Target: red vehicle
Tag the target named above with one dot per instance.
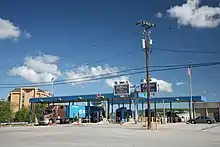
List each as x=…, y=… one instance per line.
x=53, y=114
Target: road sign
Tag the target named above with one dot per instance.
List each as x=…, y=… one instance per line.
x=153, y=87
x=122, y=89
x=99, y=98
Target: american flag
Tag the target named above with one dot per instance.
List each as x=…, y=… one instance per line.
x=188, y=71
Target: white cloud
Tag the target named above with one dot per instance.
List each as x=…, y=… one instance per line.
x=27, y=34
x=78, y=74
x=159, y=15
x=8, y=30
x=41, y=68
x=191, y=14
x=163, y=85
x=111, y=82
x=179, y=83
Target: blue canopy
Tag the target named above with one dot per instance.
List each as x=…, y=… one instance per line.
x=116, y=99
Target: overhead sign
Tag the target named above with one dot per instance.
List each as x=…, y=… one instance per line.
x=99, y=96
x=153, y=87
x=122, y=89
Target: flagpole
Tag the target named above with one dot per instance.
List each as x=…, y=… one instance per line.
x=191, y=95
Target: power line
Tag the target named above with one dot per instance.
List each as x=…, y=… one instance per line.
x=118, y=56
x=184, y=51
x=90, y=80
x=112, y=73
x=126, y=74
x=117, y=72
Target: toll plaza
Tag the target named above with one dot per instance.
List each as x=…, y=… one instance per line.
x=133, y=99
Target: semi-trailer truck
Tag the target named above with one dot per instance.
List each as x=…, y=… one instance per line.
x=68, y=113
x=61, y=114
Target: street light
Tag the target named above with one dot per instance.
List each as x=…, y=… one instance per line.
x=145, y=24
x=52, y=87
x=164, y=111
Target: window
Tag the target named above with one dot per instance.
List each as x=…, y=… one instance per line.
x=199, y=117
x=46, y=112
x=203, y=117
x=22, y=100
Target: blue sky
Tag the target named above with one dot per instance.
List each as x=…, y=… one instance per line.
x=45, y=39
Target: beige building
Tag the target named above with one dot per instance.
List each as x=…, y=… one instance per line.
x=19, y=97
x=211, y=109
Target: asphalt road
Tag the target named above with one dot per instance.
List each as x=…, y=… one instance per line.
x=180, y=135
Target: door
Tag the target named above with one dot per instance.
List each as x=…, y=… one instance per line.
x=198, y=119
x=61, y=112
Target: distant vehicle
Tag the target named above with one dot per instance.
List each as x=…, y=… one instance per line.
x=202, y=119
x=69, y=113
x=61, y=114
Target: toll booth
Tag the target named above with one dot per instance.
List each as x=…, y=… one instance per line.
x=122, y=114
x=129, y=112
x=172, y=117
x=96, y=113
x=152, y=113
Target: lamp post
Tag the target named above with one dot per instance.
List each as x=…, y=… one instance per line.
x=52, y=86
x=147, y=26
x=164, y=111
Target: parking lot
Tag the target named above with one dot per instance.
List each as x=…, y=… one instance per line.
x=110, y=135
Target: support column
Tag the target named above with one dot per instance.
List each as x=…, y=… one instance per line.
x=171, y=112
x=108, y=109
x=133, y=109
x=193, y=109
x=190, y=114
x=136, y=105
x=118, y=105
x=155, y=108
x=129, y=103
x=219, y=112
x=142, y=105
x=31, y=113
x=112, y=109
x=137, y=110
x=88, y=104
x=123, y=105
x=206, y=111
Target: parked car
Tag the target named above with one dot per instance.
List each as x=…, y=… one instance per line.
x=202, y=119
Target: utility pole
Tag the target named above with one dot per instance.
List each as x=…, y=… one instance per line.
x=147, y=26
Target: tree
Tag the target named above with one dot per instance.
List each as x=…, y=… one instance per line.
x=23, y=115
x=39, y=108
x=6, y=112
